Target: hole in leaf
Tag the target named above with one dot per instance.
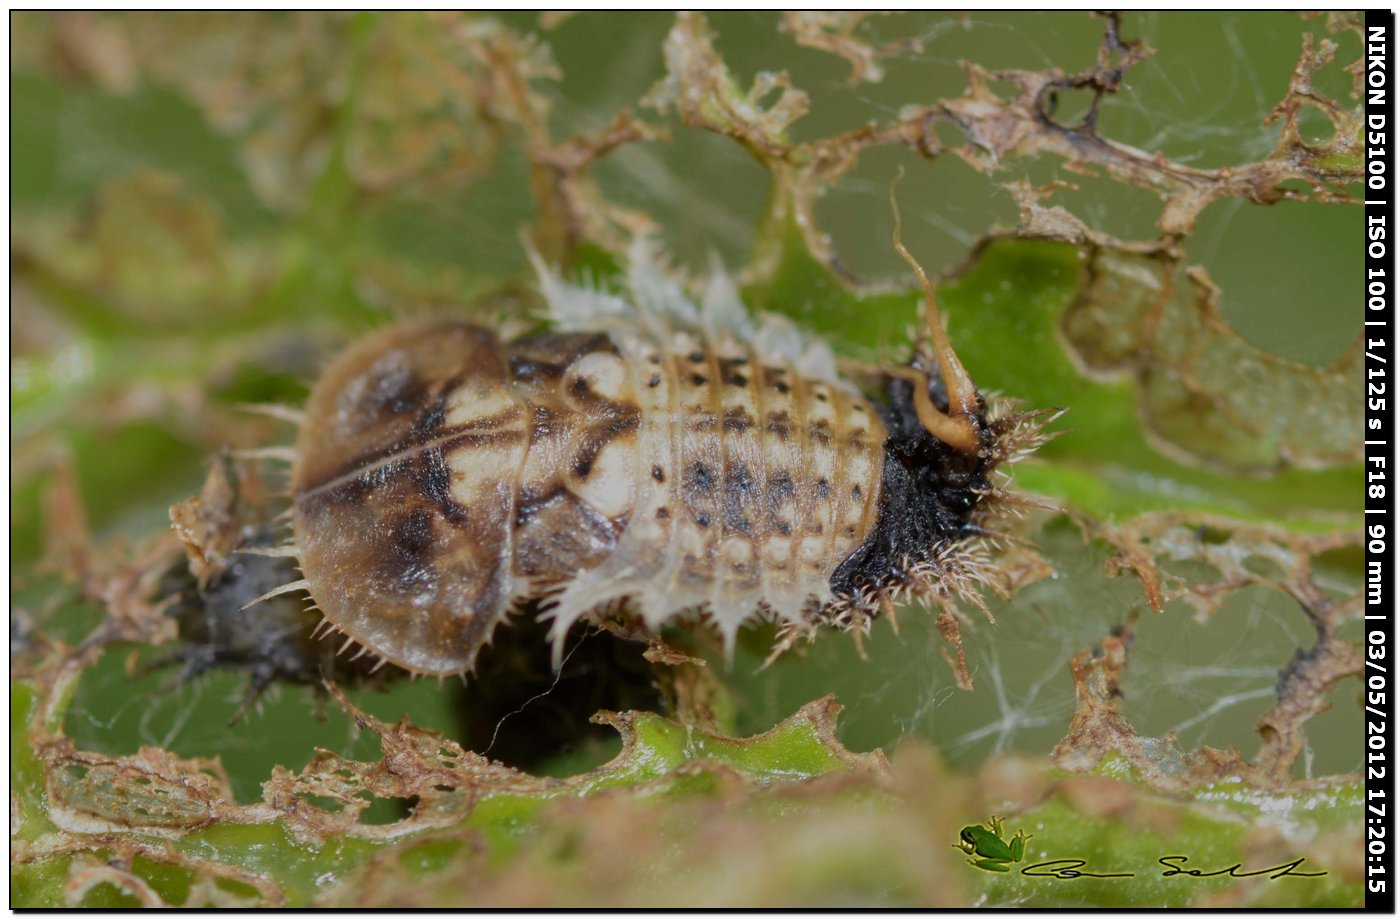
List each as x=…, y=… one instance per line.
x=1314, y=127
x=1213, y=536
x=172, y=882
x=323, y=803
x=1068, y=108
x=517, y=710
x=109, y=896
x=386, y=810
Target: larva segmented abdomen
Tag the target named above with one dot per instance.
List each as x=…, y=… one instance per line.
x=751, y=482
x=443, y=475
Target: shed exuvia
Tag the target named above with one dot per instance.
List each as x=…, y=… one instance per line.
x=671, y=454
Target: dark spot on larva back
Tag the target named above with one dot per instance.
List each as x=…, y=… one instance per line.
x=738, y=478
x=655, y=381
x=738, y=486
x=663, y=513
x=427, y=424
x=533, y=499
x=702, y=520
x=409, y=557
x=658, y=473
x=700, y=478
x=436, y=482
x=587, y=454
x=526, y=369
x=855, y=492
x=822, y=396
x=823, y=489
x=779, y=425
x=624, y=420
x=783, y=528
x=781, y=387
x=780, y=492
x=599, y=437
x=737, y=419
x=697, y=357
x=544, y=418
x=737, y=379
x=820, y=432
x=698, y=380
x=602, y=531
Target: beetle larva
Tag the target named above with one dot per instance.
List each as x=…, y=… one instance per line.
x=673, y=454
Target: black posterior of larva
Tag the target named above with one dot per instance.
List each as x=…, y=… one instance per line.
x=929, y=495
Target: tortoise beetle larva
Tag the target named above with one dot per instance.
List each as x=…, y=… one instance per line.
x=674, y=455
